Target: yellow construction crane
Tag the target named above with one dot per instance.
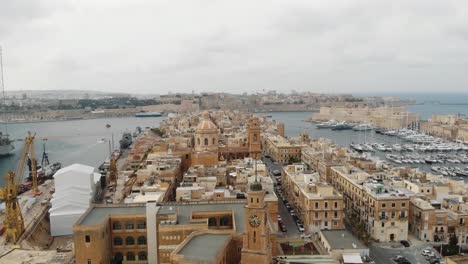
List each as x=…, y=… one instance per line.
x=13, y=222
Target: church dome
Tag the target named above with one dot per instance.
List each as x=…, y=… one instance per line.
x=206, y=124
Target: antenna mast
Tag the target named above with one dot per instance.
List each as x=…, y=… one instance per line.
x=3, y=92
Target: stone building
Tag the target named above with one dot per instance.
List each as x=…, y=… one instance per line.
x=319, y=206
x=382, y=209
x=206, y=142
x=281, y=150
x=428, y=221
x=231, y=232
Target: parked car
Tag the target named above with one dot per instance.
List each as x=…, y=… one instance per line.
x=267, y=156
x=434, y=260
x=426, y=252
x=277, y=173
x=305, y=235
x=288, y=206
x=300, y=227
x=405, y=243
x=279, y=218
x=401, y=260
x=282, y=227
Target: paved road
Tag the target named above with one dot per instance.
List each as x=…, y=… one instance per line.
x=384, y=254
x=291, y=226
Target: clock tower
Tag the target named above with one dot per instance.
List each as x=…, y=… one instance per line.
x=256, y=239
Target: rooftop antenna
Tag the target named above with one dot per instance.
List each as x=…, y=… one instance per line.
x=3, y=92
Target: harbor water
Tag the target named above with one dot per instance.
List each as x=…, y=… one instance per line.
x=87, y=141
x=77, y=141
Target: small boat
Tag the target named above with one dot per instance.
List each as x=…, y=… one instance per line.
x=108, y=125
x=362, y=127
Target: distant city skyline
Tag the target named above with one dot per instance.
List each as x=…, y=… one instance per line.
x=157, y=47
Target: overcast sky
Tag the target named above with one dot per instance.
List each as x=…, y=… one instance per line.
x=235, y=46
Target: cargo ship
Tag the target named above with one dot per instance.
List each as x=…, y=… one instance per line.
x=6, y=145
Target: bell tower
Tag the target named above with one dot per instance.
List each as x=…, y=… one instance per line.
x=256, y=240
x=255, y=146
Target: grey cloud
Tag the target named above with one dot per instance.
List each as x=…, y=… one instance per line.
x=339, y=46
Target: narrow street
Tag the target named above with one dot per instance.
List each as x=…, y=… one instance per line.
x=291, y=227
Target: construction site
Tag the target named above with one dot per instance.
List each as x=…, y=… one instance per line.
x=38, y=211
x=24, y=221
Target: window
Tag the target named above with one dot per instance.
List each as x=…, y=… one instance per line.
x=254, y=236
x=316, y=215
x=116, y=226
x=89, y=261
x=393, y=214
x=336, y=204
x=335, y=223
x=142, y=256
x=118, y=256
x=212, y=221
x=326, y=205
x=206, y=141
x=336, y=214
x=141, y=225
x=393, y=223
x=393, y=204
x=383, y=224
x=214, y=141
x=326, y=214
x=129, y=240
x=403, y=204
x=130, y=256
x=224, y=221
x=384, y=205
x=316, y=205
x=129, y=226
x=198, y=141
x=141, y=240
x=326, y=223
x=87, y=239
x=117, y=241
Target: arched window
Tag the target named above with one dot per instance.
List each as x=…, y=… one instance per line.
x=224, y=221
x=130, y=256
x=206, y=141
x=117, y=241
x=142, y=256
x=198, y=141
x=212, y=221
x=130, y=240
x=118, y=257
x=141, y=240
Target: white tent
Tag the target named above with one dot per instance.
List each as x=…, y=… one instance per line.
x=74, y=190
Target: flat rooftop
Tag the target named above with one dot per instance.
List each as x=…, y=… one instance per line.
x=342, y=239
x=97, y=214
x=184, y=211
x=205, y=247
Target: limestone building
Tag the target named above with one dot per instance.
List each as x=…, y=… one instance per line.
x=206, y=142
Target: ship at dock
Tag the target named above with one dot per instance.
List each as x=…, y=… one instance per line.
x=6, y=145
x=149, y=114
